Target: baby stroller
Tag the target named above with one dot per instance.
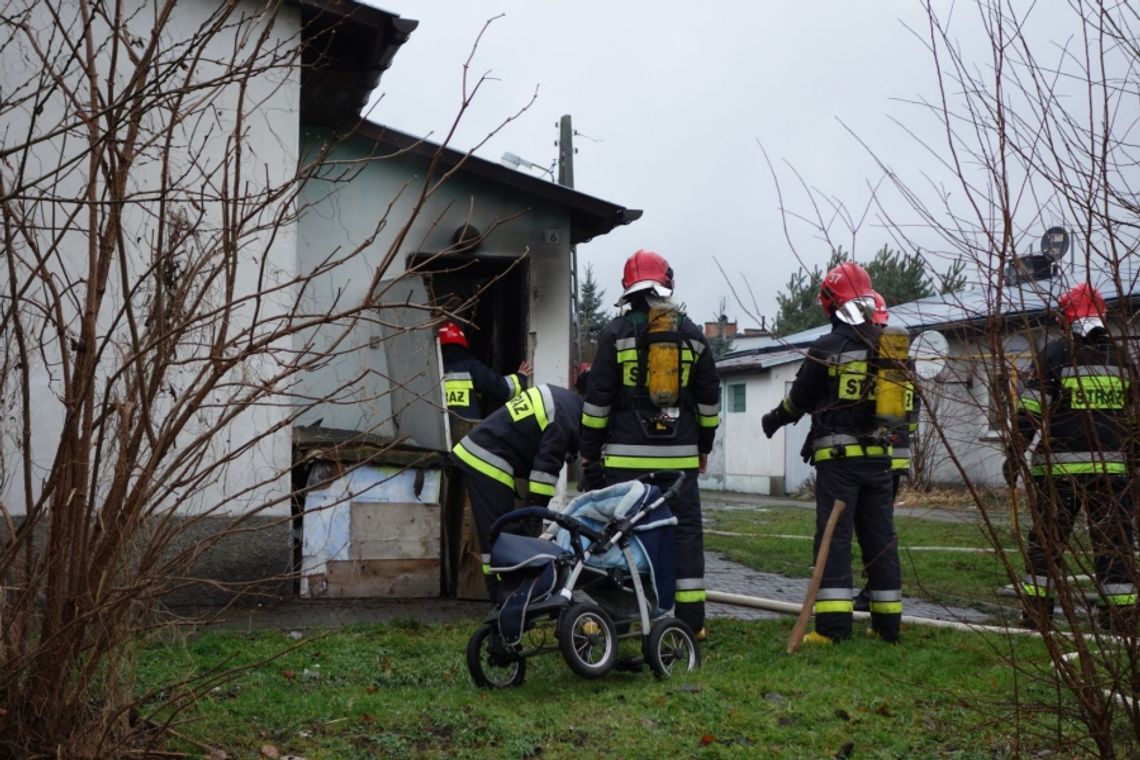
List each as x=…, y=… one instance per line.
x=606, y=574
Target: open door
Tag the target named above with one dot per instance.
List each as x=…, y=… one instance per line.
x=412, y=353
x=489, y=295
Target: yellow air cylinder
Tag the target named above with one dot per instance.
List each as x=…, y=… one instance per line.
x=891, y=377
x=663, y=365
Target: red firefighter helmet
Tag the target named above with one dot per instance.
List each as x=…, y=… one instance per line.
x=646, y=270
x=1082, y=308
x=847, y=285
x=1081, y=301
x=880, y=316
x=451, y=334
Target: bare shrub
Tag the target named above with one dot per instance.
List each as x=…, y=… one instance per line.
x=158, y=336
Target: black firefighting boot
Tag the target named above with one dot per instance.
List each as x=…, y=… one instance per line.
x=691, y=614
x=1118, y=620
x=887, y=626
x=1037, y=614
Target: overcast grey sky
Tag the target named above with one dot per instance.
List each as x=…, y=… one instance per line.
x=672, y=101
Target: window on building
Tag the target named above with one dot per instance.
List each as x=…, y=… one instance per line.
x=736, y=397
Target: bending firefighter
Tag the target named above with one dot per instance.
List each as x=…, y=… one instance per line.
x=848, y=443
x=1077, y=399
x=653, y=403
x=532, y=436
x=471, y=388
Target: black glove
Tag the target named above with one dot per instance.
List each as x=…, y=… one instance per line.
x=772, y=421
x=775, y=419
x=593, y=476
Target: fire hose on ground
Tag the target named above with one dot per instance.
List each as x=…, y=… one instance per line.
x=791, y=608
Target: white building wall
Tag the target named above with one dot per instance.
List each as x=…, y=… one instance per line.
x=751, y=462
x=349, y=214
x=200, y=141
x=965, y=438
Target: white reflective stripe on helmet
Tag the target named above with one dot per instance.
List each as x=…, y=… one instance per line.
x=856, y=311
x=657, y=288
x=1085, y=325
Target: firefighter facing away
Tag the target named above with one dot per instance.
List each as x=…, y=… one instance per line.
x=531, y=436
x=900, y=437
x=653, y=404
x=473, y=389
x=851, y=453
x=902, y=433
x=1077, y=399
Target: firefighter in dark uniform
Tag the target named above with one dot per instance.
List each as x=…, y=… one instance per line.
x=900, y=440
x=653, y=404
x=471, y=388
x=532, y=436
x=851, y=454
x=1078, y=397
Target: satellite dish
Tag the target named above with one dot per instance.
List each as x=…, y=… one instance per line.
x=929, y=352
x=1055, y=242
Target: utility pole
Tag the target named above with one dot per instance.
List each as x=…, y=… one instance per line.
x=565, y=152
x=566, y=178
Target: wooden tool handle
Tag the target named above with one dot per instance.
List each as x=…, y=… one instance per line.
x=796, y=637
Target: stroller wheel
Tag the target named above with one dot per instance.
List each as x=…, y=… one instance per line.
x=491, y=664
x=671, y=648
x=587, y=639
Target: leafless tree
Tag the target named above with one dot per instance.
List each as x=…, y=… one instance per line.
x=1043, y=132
x=156, y=331
x=1038, y=129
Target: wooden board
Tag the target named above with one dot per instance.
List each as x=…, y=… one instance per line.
x=389, y=578
x=470, y=584
x=391, y=530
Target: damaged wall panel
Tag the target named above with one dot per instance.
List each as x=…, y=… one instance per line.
x=375, y=531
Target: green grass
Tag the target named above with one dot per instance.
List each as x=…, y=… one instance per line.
x=954, y=578
x=402, y=690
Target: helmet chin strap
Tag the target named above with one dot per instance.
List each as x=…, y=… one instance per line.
x=1085, y=325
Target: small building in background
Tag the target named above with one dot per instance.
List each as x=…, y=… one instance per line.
x=970, y=347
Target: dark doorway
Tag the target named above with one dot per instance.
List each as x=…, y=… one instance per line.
x=489, y=295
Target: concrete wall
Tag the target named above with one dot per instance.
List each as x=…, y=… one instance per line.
x=743, y=459
x=363, y=204
x=199, y=142
x=961, y=400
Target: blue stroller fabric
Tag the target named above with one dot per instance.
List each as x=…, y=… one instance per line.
x=532, y=563
x=651, y=541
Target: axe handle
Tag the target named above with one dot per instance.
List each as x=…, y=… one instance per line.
x=796, y=637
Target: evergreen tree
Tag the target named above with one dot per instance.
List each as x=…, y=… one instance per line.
x=899, y=278
x=799, y=303
x=591, y=315
x=720, y=343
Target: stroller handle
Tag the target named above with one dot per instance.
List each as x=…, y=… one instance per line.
x=663, y=476
x=565, y=521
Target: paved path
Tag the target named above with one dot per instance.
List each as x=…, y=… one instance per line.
x=729, y=577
